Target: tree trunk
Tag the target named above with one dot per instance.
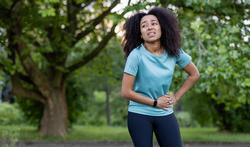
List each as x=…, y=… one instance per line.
x=55, y=115
x=108, y=111
x=108, y=114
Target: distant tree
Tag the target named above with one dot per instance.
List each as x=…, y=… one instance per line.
x=104, y=74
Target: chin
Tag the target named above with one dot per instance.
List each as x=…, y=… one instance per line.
x=152, y=40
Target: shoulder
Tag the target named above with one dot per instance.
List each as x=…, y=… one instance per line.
x=133, y=62
x=135, y=53
x=183, y=58
x=181, y=54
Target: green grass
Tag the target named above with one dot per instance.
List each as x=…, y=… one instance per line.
x=104, y=133
x=212, y=135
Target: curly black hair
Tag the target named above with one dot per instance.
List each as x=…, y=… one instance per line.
x=132, y=37
x=170, y=38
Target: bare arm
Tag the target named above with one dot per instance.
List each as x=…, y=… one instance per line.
x=193, y=76
x=128, y=92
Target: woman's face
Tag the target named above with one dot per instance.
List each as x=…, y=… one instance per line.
x=150, y=28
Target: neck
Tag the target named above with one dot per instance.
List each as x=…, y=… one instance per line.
x=154, y=47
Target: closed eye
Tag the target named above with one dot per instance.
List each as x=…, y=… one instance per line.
x=154, y=23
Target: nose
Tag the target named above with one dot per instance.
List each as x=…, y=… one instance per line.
x=150, y=27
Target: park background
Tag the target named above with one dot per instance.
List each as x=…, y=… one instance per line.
x=61, y=64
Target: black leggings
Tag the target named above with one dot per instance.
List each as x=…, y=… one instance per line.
x=166, y=129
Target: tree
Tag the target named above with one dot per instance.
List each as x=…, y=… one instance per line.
x=39, y=40
x=216, y=34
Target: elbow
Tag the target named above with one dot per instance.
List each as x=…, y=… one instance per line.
x=124, y=94
x=196, y=76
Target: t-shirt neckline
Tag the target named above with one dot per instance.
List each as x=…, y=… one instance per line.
x=151, y=54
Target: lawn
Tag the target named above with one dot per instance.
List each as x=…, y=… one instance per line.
x=105, y=133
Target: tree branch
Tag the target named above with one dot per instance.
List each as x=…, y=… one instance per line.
x=14, y=4
x=19, y=90
x=24, y=78
x=36, y=75
x=94, y=53
x=72, y=10
x=6, y=12
x=96, y=21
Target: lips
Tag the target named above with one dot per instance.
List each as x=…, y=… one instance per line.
x=151, y=34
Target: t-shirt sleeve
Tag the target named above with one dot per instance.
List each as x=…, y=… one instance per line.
x=183, y=59
x=132, y=63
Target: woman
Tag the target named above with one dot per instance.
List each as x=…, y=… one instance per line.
x=152, y=47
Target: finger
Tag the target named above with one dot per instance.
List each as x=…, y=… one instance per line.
x=171, y=98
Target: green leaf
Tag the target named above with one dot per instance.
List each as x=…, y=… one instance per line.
x=246, y=83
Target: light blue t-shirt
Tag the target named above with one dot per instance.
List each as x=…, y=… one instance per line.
x=153, y=77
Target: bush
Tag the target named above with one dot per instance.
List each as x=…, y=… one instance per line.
x=10, y=114
x=200, y=108
x=234, y=119
x=32, y=110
